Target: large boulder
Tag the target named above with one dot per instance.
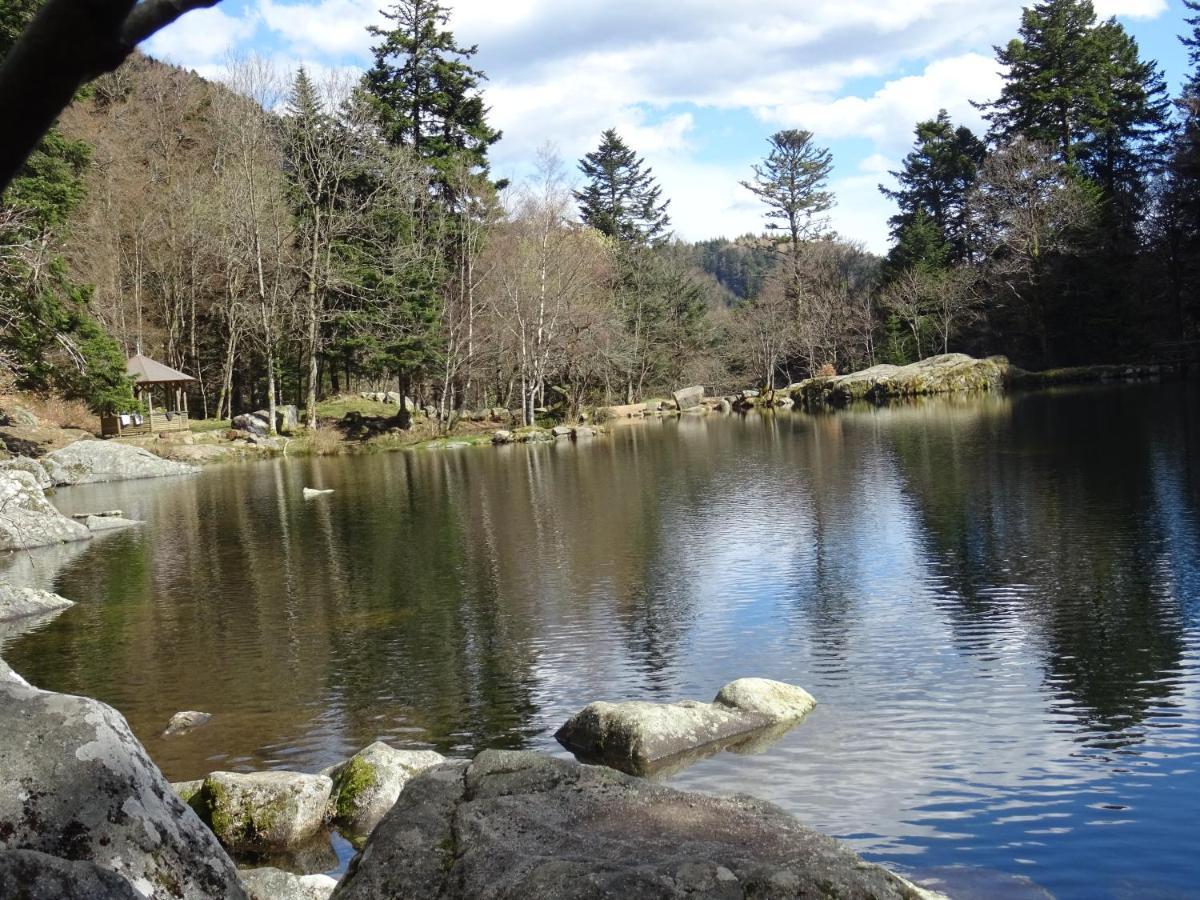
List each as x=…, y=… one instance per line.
x=952, y=373
x=75, y=784
x=29, y=875
x=18, y=602
x=252, y=423
x=520, y=824
x=275, y=884
x=263, y=812
x=366, y=785
x=640, y=737
x=27, y=518
x=287, y=419
x=689, y=397
x=88, y=462
x=30, y=465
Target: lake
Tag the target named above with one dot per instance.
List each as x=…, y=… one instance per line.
x=995, y=601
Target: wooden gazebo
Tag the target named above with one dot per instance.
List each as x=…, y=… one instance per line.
x=147, y=375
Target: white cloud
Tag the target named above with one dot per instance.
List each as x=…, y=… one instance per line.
x=1131, y=9
x=201, y=37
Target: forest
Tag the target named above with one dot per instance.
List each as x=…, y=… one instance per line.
x=285, y=237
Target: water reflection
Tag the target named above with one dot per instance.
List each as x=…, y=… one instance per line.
x=995, y=602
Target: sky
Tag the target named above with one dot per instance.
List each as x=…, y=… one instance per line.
x=695, y=86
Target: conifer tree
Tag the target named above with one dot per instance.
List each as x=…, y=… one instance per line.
x=426, y=91
x=933, y=185
x=621, y=197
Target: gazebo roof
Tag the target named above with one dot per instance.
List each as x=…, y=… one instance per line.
x=148, y=371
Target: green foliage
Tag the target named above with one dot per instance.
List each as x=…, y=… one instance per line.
x=621, y=199
x=426, y=92
x=934, y=182
x=741, y=267
x=792, y=181
x=920, y=243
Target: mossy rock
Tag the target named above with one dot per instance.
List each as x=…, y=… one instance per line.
x=263, y=812
x=366, y=786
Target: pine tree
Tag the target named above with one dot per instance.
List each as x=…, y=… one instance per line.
x=427, y=93
x=920, y=244
x=1180, y=206
x=621, y=198
x=934, y=182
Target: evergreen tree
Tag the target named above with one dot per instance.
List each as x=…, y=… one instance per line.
x=920, y=244
x=49, y=337
x=934, y=182
x=792, y=181
x=621, y=198
x=427, y=93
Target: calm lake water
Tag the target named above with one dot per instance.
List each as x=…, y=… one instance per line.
x=996, y=602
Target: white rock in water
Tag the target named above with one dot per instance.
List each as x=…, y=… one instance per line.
x=276, y=884
x=29, y=519
x=185, y=721
x=309, y=493
x=90, y=462
x=109, y=523
x=366, y=785
x=637, y=736
x=18, y=602
x=263, y=812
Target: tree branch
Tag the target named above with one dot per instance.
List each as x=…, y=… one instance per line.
x=68, y=43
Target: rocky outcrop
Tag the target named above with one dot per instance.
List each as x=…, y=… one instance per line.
x=639, y=737
x=263, y=812
x=275, y=884
x=953, y=373
x=29, y=875
x=366, y=785
x=503, y=436
x=251, y=423
x=519, y=824
x=18, y=602
x=76, y=785
x=89, y=462
x=32, y=466
x=27, y=518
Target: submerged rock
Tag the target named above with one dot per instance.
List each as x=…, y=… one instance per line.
x=89, y=462
x=276, y=884
x=310, y=493
x=520, y=824
x=263, y=812
x=29, y=519
x=639, y=737
x=75, y=784
x=952, y=373
x=366, y=785
x=109, y=523
x=185, y=721
x=18, y=602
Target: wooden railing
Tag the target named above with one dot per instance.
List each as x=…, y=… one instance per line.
x=156, y=422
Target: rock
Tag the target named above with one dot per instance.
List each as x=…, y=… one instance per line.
x=287, y=419
x=747, y=395
x=276, y=884
x=263, y=812
x=310, y=493
x=89, y=462
x=583, y=432
x=639, y=737
x=183, y=722
x=521, y=824
x=561, y=431
x=392, y=397
x=18, y=602
x=32, y=466
x=251, y=423
x=783, y=401
x=18, y=416
x=186, y=790
x=953, y=373
x=724, y=406
x=109, y=523
x=502, y=437
x=106, y=514
x=29, y=519
x=499, y=414
x=366, y=785
x=686, y=398
x=430, y=412
x=532, y=435
x=76, y=784
x=29, y=875
x=629, y=411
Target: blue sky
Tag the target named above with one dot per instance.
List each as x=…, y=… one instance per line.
x=696, y=86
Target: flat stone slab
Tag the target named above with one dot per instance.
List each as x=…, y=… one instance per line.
x=18, y=602
x=638, y=737
x=90, y=462
x=520, y=824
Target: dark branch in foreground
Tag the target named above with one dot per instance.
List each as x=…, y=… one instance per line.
x=69, y=43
